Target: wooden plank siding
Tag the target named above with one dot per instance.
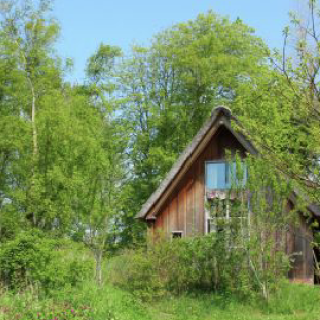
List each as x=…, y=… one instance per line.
x=184, y=210
x=299, y=247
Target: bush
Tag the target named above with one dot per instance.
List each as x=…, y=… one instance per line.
x=182, y=265
x=137, y=272
x=41, y=263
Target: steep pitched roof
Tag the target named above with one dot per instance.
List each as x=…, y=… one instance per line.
x=221, y=116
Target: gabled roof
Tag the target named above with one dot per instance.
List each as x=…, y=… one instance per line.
x=221, y=116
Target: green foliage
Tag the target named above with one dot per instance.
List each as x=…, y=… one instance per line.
x=169, y=90
x=264, y=202
x=60, y=149
x=292, y=302
x=81, y=160
x=136, y=271
x=32, y=260
x=280, y=109
x=60, y=312
x=184, y=265
x=100, y=66
x=246, y=255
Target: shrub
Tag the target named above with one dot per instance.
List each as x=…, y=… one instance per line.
x=33, y=260
x=137, y=272
x=182, y=265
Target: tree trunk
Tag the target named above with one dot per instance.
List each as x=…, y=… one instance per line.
x=34, y=147
x=98, y=258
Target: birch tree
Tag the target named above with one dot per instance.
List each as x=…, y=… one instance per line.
x=28, y=36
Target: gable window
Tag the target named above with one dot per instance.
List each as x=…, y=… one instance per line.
x=221, y=206
x=220, y=175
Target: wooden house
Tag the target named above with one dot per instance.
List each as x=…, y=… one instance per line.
x=177, y=207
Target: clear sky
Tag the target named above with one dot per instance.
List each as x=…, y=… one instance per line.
x=87, y=23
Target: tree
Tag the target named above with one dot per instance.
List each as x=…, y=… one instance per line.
x=171, y=87
x=52, y=165
x=31, y=74
x=98, y=195
x=280, y=109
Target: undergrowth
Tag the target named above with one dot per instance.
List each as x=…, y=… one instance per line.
x=292, y=301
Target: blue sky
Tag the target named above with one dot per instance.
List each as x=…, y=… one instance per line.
x=87, y=23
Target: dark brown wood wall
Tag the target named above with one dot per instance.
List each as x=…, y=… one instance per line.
x=299, y=247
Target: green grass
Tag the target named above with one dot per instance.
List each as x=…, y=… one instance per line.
x=291, y=302
x=213, y=307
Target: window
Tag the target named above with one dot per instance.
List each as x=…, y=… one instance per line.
x=225, y=213
x=220, y=175
x=223, y=210
x=219, y=213
x=222, y=207
x=176, y=234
